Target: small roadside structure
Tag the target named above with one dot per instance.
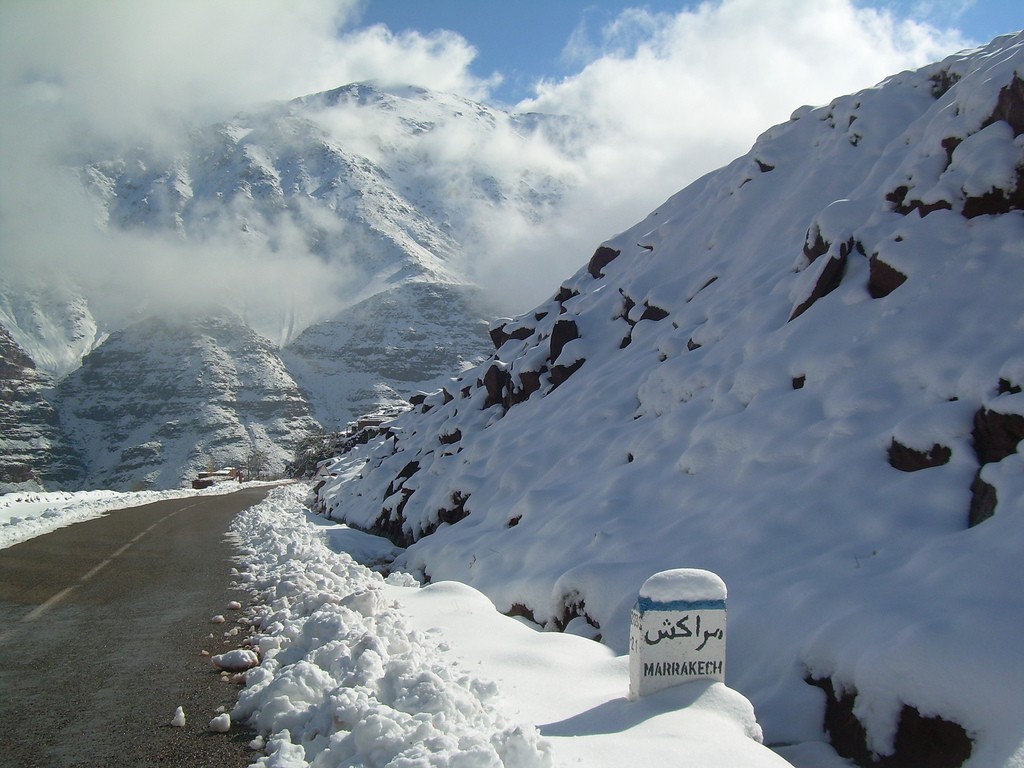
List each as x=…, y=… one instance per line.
x=677, y=631
x=206, y=479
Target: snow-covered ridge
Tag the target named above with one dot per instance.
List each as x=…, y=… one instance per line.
x=801, y=373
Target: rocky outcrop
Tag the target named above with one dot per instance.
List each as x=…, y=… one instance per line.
x=994, y=437
x=33, y=450
x=602, y=257
x=920, y=742
x=883, y=279
x=908, y=459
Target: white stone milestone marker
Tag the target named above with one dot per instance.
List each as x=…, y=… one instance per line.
x=677, y=631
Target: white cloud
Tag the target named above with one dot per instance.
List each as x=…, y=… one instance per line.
x=673, y=96
x=667, y=97
x=123, y=66
x=82, y=81
x=676, y=95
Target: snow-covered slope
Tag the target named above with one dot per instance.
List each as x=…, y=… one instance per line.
x=50, y=321
x=160, y=401
x=802, y=372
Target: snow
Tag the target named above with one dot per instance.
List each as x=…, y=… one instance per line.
x=236, y=660
x=362, y=670
x=221, y=723
x=739, y=437
x=690, y=584
x=27, y=514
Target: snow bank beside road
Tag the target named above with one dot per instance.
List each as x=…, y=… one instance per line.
x=361, y=670
x=25, y=515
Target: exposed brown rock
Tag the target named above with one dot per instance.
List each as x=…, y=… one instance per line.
x=1010, y=106
x=710, y=280
x=921, y=742
x=499, y=335
x=996, y=435
x=1007, y=387
x=883, y=279
x=390, y=525
x=815, y=245
x=996, y=201
x=829, y=279
x=450, y=438
x=562, y=333
x=602, y=257
x=457, y=511
x=942, y=82
x=530, y=383
x=560, y=373
x=564, y=294
x=523, y=611
x=627, y=306
x=496, y=382
x=652, y=312
x=908, y=459
x=950, y=143
x=983, y=501
x=898, y=199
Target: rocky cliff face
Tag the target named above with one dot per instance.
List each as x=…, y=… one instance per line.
x=159, y=401
x=380, y=351
x=34, y=452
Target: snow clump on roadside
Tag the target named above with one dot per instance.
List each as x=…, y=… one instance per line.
x=344, y=679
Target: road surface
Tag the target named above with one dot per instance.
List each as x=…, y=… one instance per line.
x=102, y=625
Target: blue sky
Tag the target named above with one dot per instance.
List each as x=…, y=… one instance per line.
x=524, y=40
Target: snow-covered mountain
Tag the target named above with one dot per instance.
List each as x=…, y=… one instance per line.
x=380, y=192
x=51, y=322
x=802, y=372
x=382, y=349
x=160, y=401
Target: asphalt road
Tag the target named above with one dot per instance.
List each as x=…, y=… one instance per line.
x=102, y=625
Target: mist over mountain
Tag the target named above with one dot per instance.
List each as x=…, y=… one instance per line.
x=802, y=372
x=330, y=197
x=341, y=228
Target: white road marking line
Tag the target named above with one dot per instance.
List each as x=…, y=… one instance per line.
x=42, y=608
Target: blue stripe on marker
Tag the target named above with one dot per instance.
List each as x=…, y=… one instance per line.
x=645, y=604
